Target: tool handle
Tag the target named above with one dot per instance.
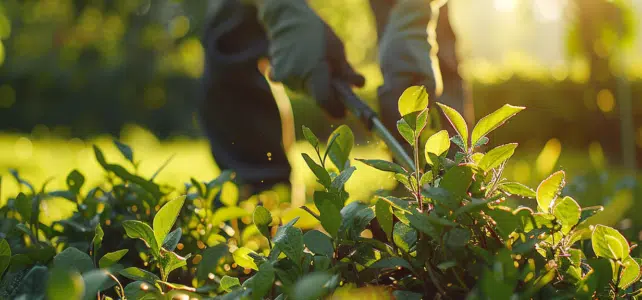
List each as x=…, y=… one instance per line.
x=370, y=119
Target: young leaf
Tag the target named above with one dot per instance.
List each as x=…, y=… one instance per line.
x=608, y=242
x=165, y=218
x=242, y=258
x=262, y=216
x=169, y=262
x=211, y=258
x=383, y=165
x=111, y=258
x=549, y=189
x=495, y=157
x=98, y=237
x=406, y=131
x=289, y=239
x=139, y=230
x=630, y=274
x=437, y=144
x=318, y=243
x=310, y=137
x=494, y=120
x=5, y=255
x=172, y=239
x=73, y=258
x=321, y=174
x=64, y=284
x=482, y=141
x=134, y=273
x=458, y=122
x=23, y=205
x=516, y=188
x=383, y=212
x=567, y=211
x=339, y=151
x=590, y=211
x=229, y=283
x=413, y=99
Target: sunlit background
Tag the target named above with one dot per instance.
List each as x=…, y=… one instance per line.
x=77, y=73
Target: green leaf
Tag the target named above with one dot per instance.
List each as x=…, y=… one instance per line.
x=329, y=206
x=458, y=122
x=111, y=258
x=242, y=258
x=211, y=258
x=98, y=237
x=608, y=242
x=630, y=274
x=457, y=238
x=5, y=255
x=457, y=180
x=96, y=281
x=261, y=283
x=406, y=131
x=383, y=213
x=170, y=261
x=428, y=224
x=121, y=172
x=165, y=218
x=481, y=142
x=567, y=211
x=73, y=258
x=172, y=239
x=404, y=236
x=398, y=203
x=495, y=157
x=75, y=180
x=64, y=284
x=318, y=243
x=310, y=137
x=425, y=179
x=312, y=286
x=289, y=239
x=383, y=165
x=516, y=188
x=494, y=120
x=262, y=219
x=339, y=151
x=437, y=144
x=590, y=211
x=391, y=262
x=139, y=230
x=413, y=99
x=229, y=283
x=549, y=189
x=23, y=205
x=406, y=295
x=140, y=290
x=125, y=150
x=321, y=173
x=474, y=206
x=134, y=273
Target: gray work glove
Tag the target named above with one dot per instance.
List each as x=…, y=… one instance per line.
x=305, y=54
x=407, y=49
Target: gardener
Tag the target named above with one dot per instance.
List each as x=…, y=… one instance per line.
x=239, y=113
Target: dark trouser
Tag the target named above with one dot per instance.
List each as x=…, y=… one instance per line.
x=239, y=113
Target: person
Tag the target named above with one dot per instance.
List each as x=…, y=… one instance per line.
x=239, y=113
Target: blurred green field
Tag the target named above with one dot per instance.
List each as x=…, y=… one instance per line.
x=51, y=159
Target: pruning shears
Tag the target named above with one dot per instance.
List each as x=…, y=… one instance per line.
x=371, y=120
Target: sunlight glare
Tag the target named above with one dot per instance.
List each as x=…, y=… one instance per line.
x=504, y=5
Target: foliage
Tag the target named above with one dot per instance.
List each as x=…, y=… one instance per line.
x=450, y=234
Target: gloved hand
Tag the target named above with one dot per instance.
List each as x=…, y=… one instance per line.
x=407, y=50
x=305, y=54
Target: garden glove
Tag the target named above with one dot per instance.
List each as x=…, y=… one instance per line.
x=305, y=54
x=407, y=54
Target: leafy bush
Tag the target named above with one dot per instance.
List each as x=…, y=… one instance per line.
x=453, y=233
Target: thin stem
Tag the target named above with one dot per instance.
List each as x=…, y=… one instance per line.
x=122, y=290
x=418, y=174
x=311, y=212
x=617, y=282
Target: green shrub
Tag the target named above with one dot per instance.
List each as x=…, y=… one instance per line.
x=453, y=234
